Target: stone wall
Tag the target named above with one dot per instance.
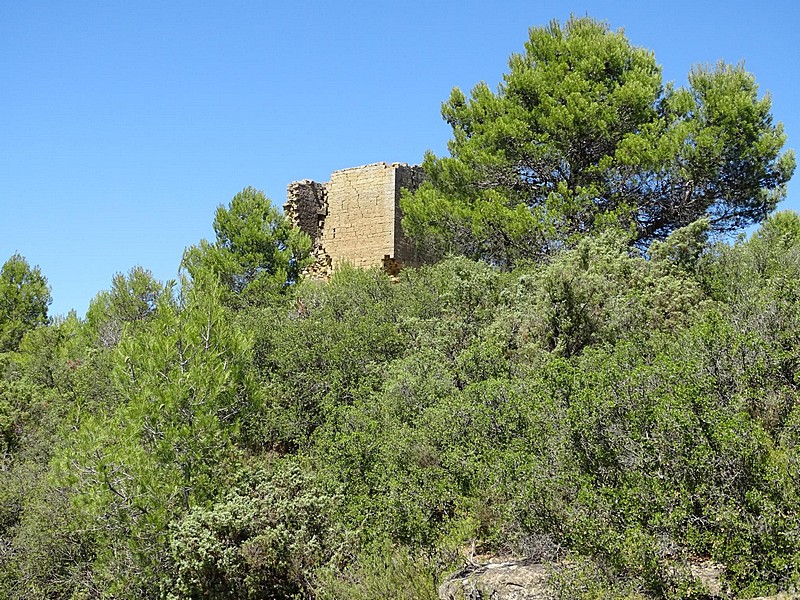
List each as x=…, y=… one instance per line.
x=355, y=217
x=360, y=223
x=409, y=178
x=307, y=205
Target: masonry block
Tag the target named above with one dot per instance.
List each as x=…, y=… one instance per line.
x=355, y=217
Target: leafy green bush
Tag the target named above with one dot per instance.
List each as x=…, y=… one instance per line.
x=383, y=571
x=263, y=539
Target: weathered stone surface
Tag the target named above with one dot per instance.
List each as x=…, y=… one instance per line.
x=529, y=580
x=513, y=580
x=355, y=218
x=307, y=205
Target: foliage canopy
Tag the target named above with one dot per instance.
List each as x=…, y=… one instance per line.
x=256, y=252
x=583, y=134
x=24, y=298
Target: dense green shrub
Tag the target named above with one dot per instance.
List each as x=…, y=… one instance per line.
x=263, y=539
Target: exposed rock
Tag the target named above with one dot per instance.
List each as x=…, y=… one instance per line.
x=512, y=580
x=530, y=580
x=709, y=574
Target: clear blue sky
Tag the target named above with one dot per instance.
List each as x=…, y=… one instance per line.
x=124, y=124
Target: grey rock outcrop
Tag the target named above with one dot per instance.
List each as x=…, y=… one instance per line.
x=512, y=580
x=530, y=580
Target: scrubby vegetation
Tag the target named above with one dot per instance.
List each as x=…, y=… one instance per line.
x=343, y=439
x=244, y=434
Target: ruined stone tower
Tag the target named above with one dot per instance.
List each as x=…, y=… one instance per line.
x=355, y=217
